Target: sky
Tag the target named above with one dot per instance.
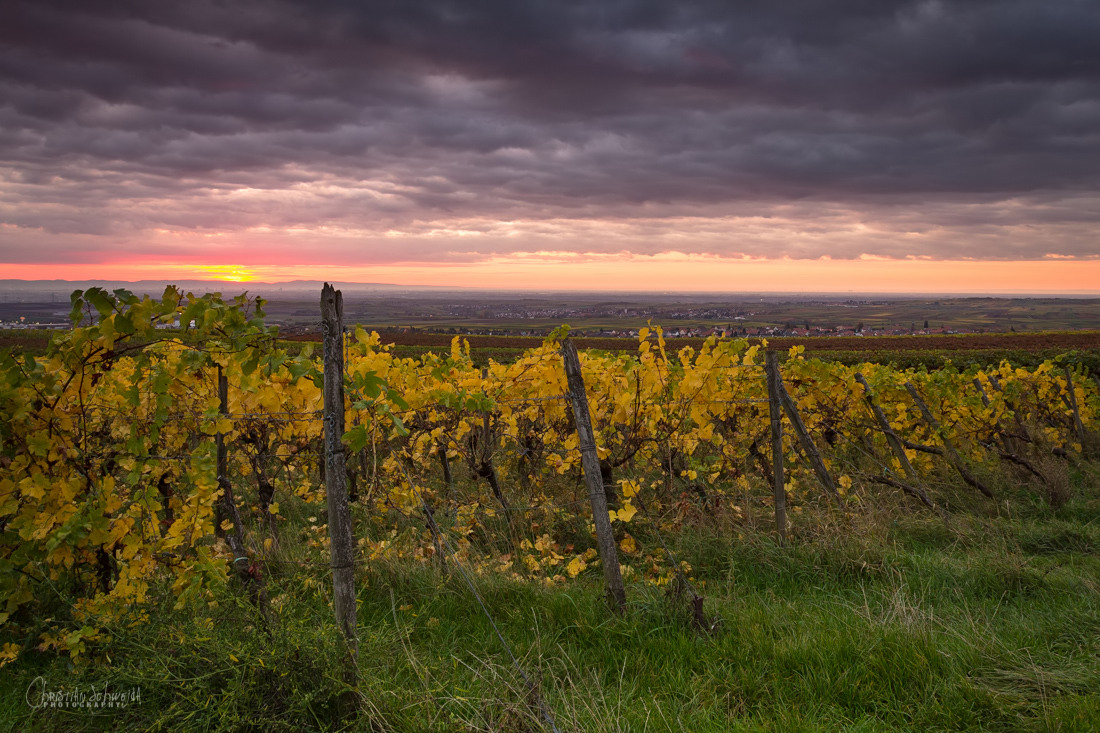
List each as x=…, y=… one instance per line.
x=805, y=145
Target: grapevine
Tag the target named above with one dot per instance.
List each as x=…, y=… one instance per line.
x=110, y=484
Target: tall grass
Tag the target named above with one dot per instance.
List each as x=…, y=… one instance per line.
x=881, y=620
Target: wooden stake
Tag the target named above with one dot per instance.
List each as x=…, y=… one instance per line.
x=342, y=549
x=441, y=448
x=590, y=463
x=808, y=447
x=1024, y=434
x=884, y=426
x=484, y=459
x=243, y=565
x=775, y=414
x=952, y=455
x=227, y=504
x=1071, y=400
x=1006, y=439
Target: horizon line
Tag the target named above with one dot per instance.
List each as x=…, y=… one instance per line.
x=223, y=284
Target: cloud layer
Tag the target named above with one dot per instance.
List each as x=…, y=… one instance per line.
x=351, y=130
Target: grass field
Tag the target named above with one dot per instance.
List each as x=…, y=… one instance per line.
x=882, y=620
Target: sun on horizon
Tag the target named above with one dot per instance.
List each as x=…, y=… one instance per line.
x=228, y=273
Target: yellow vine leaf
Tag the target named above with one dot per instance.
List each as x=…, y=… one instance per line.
x=575, y=566
x=8, y=653
x=623, y=515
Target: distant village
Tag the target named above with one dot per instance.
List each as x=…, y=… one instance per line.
x=736, y=322
x=23, y=324
x=729, y=331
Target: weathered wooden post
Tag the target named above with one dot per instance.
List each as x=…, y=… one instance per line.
x=227, y=504
x=341, y=547
x=484, y=458
x=775, y=413
x=950, y=452
x=1006, y=439
x=884, y=427
x=1024, y=435
x=807, y=443
x=243, y=565
x=1071, y=401
x=590, y=463
x=444, y=462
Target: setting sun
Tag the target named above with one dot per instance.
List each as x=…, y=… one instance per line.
x=229, y=273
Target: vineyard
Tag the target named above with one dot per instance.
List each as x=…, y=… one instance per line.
x=139, y=467
x=932, y=352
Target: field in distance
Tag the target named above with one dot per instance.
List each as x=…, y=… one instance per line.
x=1061, y=341
x=930, y=351
x=295, y=308
x=491, y=313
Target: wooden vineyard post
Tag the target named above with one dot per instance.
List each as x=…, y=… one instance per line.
x=227, y=504
x=884, y=427
x=775, y=413
x=805, y=441
x=1071, y=400
x=445, y=463
x=949, y=449
x=590, y=463
x=1011, y=451
x=243, y=565
x=899, y=452
x=339, y=513
x=1006, y=440
x=484, y=458
x=1024, y=434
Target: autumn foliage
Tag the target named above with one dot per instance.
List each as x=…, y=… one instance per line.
x=110, y=490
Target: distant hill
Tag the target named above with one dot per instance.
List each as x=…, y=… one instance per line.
x=52, y=289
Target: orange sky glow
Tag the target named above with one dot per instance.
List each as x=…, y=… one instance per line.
x=670, y=271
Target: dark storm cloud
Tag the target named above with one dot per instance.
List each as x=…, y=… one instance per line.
x=973, y=127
